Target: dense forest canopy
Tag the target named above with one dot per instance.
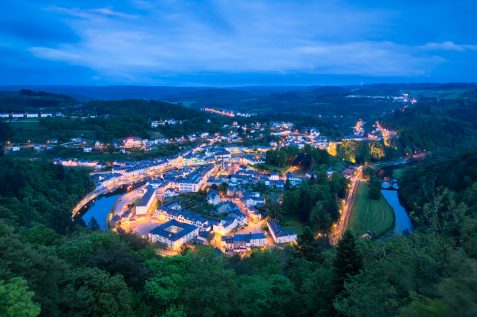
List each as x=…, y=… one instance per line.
x=432, y=125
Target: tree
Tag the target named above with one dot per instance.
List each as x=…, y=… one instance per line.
x=265, y=295
x=272, y=209
x=304, y=243
x=16, y=299
x=93, y=224
x=322, y=218
x=93, y=292
x=457, y=295
x=223, y=188
x=317, y=292
x=347, y=262
x=374, y=188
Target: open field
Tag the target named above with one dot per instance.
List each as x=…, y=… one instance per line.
x=370, y=215
x=291, y=223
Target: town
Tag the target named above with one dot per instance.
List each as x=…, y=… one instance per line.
x=214, y=190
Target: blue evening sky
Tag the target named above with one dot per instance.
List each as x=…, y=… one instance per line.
x=226, y=43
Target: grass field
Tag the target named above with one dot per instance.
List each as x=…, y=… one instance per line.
x=370, y=215
x=292, y=223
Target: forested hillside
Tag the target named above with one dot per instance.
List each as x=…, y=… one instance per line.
x=435, y=124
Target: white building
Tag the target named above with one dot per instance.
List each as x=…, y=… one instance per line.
x=196, y=180
x=225, y=226
x=133, y=142
x=148, y=199
x=243, y=242
x=174, y=233
x=278, y=235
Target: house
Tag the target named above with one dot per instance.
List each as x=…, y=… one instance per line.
x=174, y=212
x=222, y=154
x=348, y=173
x=243, y=242
x=253, y=159
x=277, y=184
x=174, y=233
x=225, y=225
x=87, y=149
x=253, y=200
x=254, y=214
x=170, y=192
x=133, y=142
x=280, y=236
x=257, y=240
x=274, y=177
x=213, y=197
x=196, y=180
x=227, y=207
x=147, y=200
x=15, y=148
x=203, y=237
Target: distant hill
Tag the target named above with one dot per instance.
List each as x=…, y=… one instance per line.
x=29, y=100
x=327, y=102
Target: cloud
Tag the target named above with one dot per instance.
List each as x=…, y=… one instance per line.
x=448, y=46
x=243, y=38
x=139, y=41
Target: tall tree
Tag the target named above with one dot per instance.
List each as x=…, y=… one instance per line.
x=348, y=261
x=16, y=299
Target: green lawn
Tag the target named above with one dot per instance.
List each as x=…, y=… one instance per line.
x=370, y=215
x=292, y=223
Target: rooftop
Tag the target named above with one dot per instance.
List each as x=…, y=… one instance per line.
x=173, y=230
x=150, y=191
x=277, y=230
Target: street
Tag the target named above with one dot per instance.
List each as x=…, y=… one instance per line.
x=343, y=222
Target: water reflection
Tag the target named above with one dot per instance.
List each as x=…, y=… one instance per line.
x=100, y=210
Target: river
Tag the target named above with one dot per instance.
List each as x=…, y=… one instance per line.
x=100, y=210
x=402, y=222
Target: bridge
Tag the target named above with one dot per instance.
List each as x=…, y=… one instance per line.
x=115, y=183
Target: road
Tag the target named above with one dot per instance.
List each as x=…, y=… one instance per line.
x=343, y=222
x=113, y=184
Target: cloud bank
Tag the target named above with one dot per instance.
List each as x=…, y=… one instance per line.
x=139, y=41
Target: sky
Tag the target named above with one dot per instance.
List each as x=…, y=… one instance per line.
x=236, y=43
